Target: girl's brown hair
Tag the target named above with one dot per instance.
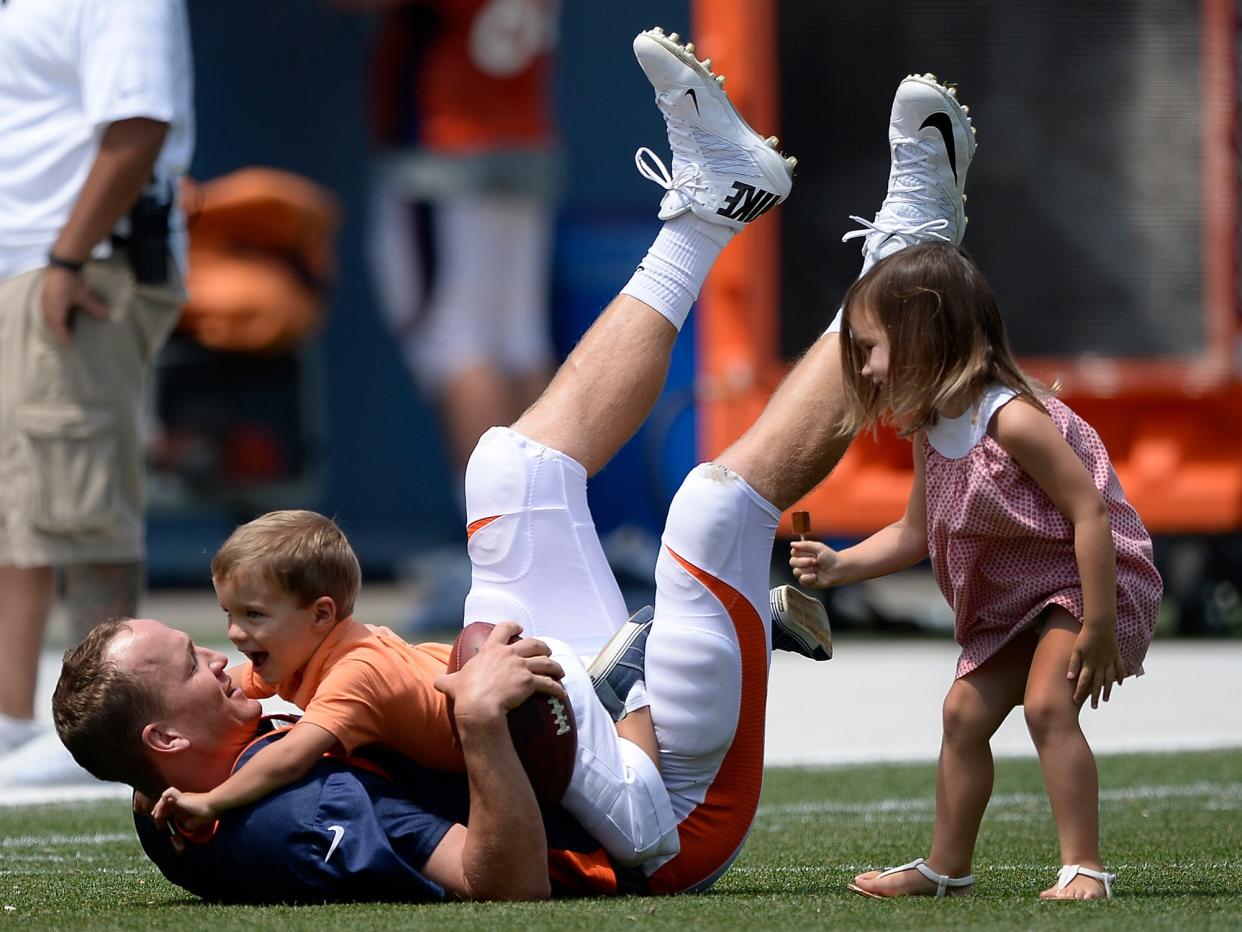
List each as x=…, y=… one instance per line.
x=946, y=340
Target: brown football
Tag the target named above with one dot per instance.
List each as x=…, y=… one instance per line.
x=543, y=729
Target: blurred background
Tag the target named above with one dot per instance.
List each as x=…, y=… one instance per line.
x=1103, y=206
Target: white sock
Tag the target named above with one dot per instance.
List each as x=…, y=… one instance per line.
x=637, y=699
x=672, y=273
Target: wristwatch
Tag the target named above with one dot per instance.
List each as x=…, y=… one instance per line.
x=67, y=264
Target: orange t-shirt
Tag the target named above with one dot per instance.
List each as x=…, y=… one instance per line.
x=465, y=75
x=365, y=685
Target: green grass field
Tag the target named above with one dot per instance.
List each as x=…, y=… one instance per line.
x=1172, y=826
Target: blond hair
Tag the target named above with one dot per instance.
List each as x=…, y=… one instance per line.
x=946, y=340
x=100, y=713
x=303, y=552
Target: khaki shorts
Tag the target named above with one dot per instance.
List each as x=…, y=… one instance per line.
x=71, y=459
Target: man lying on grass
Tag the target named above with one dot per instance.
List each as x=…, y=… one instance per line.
x=675, y=783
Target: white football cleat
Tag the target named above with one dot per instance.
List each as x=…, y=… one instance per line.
x=932, y=143
x=722, y=169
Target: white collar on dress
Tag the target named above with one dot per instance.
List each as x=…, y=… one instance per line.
x=954, y=437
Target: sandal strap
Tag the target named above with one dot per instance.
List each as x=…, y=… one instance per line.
x=942, y=881
x=1069, y=871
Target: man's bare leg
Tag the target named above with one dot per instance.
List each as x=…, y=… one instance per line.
x=605, y=389
x=99, y=592
x=608, y=385
x=25, y=603
x=639, y=728
x=794, y=445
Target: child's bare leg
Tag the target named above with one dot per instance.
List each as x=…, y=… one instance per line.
x=1064, y=755
x=973, y=710
x=638, y=728
x=976, y=706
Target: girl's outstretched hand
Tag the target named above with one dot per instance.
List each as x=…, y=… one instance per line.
x=1095, y=664
x=814, y=564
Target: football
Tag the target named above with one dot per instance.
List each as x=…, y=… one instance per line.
x=543, y=729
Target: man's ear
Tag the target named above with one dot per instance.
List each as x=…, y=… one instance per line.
x=325, y=616
x=162, y=739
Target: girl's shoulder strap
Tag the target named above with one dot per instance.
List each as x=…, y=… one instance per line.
x=954, y=437
x=994, y=397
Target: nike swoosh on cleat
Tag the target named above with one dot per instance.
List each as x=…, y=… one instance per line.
x=942, y=121
x=693, y=96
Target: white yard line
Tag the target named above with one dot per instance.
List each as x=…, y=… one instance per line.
x=77, y=841
x=1203, y=788
x=13, y=797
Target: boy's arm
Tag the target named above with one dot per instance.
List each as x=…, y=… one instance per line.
x=279, y=764
x=1029, y=435
x=896, y=547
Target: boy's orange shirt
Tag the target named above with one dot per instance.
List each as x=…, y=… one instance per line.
x=365, y=685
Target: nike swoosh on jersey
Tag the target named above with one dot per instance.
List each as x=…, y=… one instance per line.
x=338, y=832
x=943, y=122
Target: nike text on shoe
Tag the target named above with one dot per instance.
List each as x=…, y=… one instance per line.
x=622, y=664
x=800, y=624
x=932, y=142
x=722, y=170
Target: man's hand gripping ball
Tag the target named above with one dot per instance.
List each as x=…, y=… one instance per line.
x=541, y=725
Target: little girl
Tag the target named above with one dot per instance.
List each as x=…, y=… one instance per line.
x=1047, y=567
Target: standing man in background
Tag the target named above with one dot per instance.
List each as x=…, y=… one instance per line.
x=465, y=178
x=96, y=128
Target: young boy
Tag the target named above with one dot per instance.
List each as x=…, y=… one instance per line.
x=287, y=583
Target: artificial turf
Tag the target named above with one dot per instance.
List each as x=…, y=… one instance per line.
x=1171, y=825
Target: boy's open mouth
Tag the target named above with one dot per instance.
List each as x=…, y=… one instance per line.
x=257, y=658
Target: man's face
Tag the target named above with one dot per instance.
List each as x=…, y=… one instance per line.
x=277, y=635
x=199, y=700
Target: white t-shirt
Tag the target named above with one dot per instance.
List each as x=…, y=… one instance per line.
x=68, y=68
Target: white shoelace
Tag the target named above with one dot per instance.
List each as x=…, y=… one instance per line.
x=911, y=185
x=930, y=227
x=688, y=181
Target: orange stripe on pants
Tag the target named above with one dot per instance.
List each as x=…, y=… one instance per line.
x=475, y=526
x=581, y=873
x=713, y=832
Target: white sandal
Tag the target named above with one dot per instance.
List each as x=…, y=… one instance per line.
x=944, y=883
x=1069, y=871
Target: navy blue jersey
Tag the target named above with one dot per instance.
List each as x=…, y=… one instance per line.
x=357, y=831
